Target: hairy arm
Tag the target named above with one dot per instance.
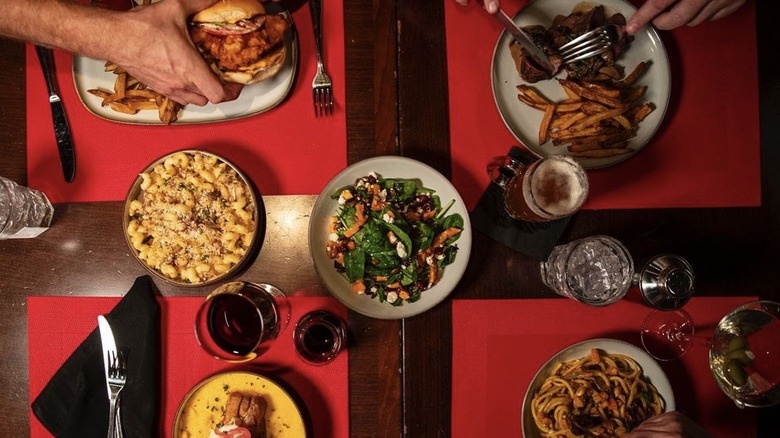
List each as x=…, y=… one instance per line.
x=151, y=42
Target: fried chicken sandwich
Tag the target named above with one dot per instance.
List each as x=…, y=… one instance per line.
x=240, y=41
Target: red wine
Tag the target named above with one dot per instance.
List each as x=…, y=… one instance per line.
x=234, y=324
x=319, y=337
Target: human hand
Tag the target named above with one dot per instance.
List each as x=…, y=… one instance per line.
x=489, y=5
x=156, y=49
x=669, y=14
x=668, y=425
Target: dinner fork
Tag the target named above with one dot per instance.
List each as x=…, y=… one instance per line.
x=117, y=378
x=592, y=43
x=321, y=85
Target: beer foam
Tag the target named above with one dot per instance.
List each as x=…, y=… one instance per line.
x=557, y=187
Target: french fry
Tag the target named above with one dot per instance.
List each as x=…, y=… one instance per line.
x=598, y=118
x=131, y=96
x=602, y=153
x=544, y=127
x=635, y=74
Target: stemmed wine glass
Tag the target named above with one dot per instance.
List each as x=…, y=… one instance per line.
x=744, y=350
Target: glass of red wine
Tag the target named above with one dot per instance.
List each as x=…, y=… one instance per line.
x=744, y=351
x=239, y=321
x=319, y=337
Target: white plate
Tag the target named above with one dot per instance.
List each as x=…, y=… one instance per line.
x=325, y=207
x=257, y=98
x=650, y=369
x=524, y=121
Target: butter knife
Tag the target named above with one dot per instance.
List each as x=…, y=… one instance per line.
x=525, y=40
x=61, y=127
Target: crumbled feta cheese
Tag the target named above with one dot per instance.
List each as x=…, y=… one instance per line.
x=391, y=297
x=333, y=237
x=374, y=289
x=392, y=237
x=440, y=257
x=400, y=249
x=344, y=196
x=387, y=217
x=429, y=260
x=383, y=195
x=373, y=174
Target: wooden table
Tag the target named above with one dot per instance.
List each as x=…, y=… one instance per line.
x=396, y=105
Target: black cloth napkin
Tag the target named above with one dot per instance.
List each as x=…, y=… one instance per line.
x=75, y=401
x=535, y=240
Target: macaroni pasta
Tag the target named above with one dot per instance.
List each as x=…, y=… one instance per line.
x=194, y=218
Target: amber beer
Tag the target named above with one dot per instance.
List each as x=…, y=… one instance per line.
x=548, y=189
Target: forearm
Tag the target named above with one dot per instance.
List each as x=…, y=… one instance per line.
x=63, y=24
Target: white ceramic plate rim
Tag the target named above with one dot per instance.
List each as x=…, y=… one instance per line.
x=650, y=369
x=325, y=207
x=523, y=121
x=89, y=73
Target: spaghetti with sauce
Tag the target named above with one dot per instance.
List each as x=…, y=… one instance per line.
x=600, y=394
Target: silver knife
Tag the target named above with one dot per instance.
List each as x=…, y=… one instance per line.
x=61, y=127
x=525, y=40
x=108, y=343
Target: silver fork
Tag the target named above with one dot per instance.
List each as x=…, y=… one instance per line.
x=322, y=86
x=117, y=378
x=592, y=43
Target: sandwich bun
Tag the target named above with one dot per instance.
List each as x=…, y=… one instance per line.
x=229, y=11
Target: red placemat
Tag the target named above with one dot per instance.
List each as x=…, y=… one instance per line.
x=499, y=345
x=284, y=151
x=705, y=155
x=53, y=335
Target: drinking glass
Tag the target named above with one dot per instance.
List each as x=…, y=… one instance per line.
x=596, y=270
x=319, y=337
x=24, y=212
x=547, y=189
x=239, y=321
x=744, y=352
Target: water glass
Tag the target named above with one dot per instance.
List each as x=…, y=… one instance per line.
x=547, y=189
x=319, y=337
x=24, y=212
x=596, y=270
x=239, y=321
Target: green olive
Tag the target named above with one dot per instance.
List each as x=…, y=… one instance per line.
x=735, y=373
x=741, y=355
x=737, y=342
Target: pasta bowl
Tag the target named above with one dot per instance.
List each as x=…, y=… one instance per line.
x=650, y=369
x=192, y=218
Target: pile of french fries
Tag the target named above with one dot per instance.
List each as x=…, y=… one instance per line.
x=130, y=96
x=597, y=119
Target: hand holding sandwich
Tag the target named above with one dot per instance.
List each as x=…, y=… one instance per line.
x=151, y=42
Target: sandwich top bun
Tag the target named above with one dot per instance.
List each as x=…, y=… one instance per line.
x=228, y=34
x=229, y=11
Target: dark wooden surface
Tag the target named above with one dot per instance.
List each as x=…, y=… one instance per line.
x=732, y=249
x=396, y=104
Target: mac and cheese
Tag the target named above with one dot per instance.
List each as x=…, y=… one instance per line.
x=194, y=218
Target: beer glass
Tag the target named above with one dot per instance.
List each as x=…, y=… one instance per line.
x=547, y=189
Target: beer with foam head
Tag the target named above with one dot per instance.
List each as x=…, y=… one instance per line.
x=548, y=189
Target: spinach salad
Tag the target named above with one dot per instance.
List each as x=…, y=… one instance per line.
x=392, y=238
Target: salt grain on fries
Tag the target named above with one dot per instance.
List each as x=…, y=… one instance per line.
x=597, y=119
x=130, y=96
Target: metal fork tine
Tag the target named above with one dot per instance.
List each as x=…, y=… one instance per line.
x=592, y=43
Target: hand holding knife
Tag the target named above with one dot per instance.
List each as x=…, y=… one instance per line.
x=61, y=127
